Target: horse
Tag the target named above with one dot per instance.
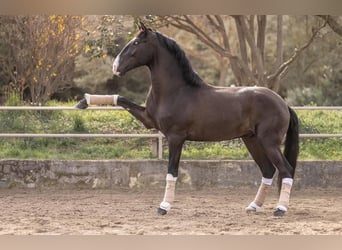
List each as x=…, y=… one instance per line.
x=184, y=107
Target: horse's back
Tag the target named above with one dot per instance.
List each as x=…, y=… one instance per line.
x=261, y=94
x=263, y=101
x=252, y=99
x=234, y=112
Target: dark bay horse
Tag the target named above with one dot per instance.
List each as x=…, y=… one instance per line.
x=183, y=107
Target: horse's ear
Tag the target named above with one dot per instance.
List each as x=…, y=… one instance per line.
x=137, y=23
x=142, y=26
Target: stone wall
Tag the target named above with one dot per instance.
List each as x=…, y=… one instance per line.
x=147, y=173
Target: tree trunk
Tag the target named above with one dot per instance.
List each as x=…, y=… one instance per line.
x=275, y=83
x=261, y=35
x=259, y=64
x=223, y=72
x=242, y=41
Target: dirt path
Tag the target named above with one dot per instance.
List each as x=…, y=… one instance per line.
x=214, y=211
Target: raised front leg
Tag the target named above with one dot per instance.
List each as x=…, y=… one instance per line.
x=137, y=111
x=175, y=149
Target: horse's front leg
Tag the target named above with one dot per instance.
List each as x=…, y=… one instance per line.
x=137, y=111
x=175, y=150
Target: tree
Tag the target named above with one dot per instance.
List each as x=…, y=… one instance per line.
x=39, y=52
x=314, y=78
x=333, y=23
x=247, y=55
x=104, y=38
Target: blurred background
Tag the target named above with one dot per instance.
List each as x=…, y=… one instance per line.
x=60, y=57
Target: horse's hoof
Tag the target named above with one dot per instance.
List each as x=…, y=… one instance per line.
x=161, y=211
x=253, y=210
x=82, y=104
x=279, y=213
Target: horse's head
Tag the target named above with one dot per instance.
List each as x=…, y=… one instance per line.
x=137, y=52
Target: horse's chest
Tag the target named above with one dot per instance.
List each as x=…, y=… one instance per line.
x=162, y=115
x=166, y=121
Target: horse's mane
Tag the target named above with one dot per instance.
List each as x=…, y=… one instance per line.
x=190, y=76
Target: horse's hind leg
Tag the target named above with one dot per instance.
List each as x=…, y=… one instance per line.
x=267, y=170
x=274, y=154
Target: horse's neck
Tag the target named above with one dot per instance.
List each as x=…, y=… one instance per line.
x=166, y=75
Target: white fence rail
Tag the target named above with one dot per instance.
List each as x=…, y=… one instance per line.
x=158, y=136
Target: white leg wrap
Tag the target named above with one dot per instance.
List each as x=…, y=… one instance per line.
x=260, y=196
x=101, y=99
x=169, y=195
x=252, y=207
x=284, y=198
x=266, y=181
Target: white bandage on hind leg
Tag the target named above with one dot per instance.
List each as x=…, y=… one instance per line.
x=101, y=99
x=263, y=191
x=261, y=195
x=169, y=195
x=284, y=198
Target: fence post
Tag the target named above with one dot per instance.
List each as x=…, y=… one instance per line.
x=155, y=146
x=160, y=145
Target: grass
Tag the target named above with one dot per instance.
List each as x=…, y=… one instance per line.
x=90, y=121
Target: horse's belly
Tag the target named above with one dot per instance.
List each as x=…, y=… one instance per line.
x=214, y=137
x=219, y=132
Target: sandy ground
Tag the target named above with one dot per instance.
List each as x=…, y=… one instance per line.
x=202, y=212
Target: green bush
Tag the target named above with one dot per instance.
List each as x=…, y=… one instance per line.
x=78, y=124
x=320, y=121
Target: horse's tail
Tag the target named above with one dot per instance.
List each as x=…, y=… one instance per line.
x=291, y=144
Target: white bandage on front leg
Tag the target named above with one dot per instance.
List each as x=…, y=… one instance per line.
x=115, y=99
x=284, y=198
x=260, y=196
x=101, y=99
x=169, y=195
x=87, y=97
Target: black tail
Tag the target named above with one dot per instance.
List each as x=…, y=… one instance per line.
x=291, y=144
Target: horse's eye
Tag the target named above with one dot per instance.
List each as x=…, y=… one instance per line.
x=135, y=42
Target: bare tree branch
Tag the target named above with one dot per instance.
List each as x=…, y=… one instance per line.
x=239, y=67
x=247, y=68
x=279, y=53
x=256, y=53
x=242, y=40
x=281, y=71
x=212, y=22
x=234, y=61
x=261, y=34
x=185, y=23
x=333, y=24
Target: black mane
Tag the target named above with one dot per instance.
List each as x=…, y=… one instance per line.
x=190, y=76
